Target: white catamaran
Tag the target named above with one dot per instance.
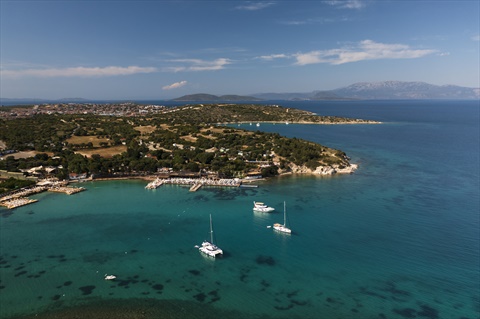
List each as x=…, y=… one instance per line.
x=208, y=247
x=283, y=228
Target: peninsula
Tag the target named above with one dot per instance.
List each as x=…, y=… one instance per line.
x=77, y=141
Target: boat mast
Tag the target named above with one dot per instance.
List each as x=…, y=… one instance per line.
x=211, y=229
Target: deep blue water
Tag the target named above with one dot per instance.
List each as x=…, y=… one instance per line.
x=399, y=238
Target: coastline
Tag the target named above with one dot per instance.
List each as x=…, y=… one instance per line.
x=356, y=121
x=301, y=170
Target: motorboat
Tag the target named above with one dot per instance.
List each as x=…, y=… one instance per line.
x=261, y=207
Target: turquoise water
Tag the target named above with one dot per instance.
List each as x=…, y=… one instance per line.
x=397, y=239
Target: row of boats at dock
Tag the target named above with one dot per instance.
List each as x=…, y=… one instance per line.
x=210, y=249
x=196, y=183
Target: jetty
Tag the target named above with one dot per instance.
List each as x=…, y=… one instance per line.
x=17, y=202
x=24, y=192
x=195, y=187
x=66, y=190
x=19, y=197
x=154, y=184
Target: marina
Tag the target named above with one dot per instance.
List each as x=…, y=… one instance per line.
x=195, y=182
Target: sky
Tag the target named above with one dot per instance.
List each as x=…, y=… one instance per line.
x=107, y=49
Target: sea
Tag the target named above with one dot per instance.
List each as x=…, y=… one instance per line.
x=399, y=238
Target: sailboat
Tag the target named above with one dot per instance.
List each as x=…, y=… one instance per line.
x=208, y=247
x=283, y=228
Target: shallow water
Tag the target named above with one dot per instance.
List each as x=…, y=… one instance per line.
x=397, y=239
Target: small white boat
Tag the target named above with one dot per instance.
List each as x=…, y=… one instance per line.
x=110, y=277
x=283, y=228
x=261, y=207
x=258, y=124
x=208, y=247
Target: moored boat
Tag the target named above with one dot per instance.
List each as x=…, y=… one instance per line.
x=261, y=207
x=283, y=228
x=208, y=247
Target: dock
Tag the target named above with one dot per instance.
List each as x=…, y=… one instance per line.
x=66, y=190
x=19, y=197
x=195, y=183
x=195, y=187
x=24, y=192
x=154, y=184
x=17, y=202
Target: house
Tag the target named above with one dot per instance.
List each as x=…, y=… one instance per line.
x=75, y=176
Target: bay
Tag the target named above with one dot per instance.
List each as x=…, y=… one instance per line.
x=399, y=238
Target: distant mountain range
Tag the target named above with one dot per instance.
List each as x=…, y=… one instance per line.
x=382, y=90
x=388, y=90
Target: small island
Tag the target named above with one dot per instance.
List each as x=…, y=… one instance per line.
x=90, y=141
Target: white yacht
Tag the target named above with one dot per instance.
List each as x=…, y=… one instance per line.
x=261, y=207
x=110, y=277
x=208, y=247
x=283, y=228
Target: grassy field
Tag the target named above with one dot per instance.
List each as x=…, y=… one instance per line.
x=145, y=130
x=77, y=140
x=104, y=152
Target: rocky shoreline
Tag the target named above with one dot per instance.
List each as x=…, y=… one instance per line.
x=323, y=170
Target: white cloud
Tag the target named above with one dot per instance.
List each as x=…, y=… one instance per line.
x=175, y=85
x=365, y=50
x=476, y=37
x=311, y=21
x=253, y=6
x=199, y=65
x=347, y=4
x=79, y=71
x=273, y=56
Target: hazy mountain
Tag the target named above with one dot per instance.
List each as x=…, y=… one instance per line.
x=382, y=90
x=213, y=98
x=405, y=90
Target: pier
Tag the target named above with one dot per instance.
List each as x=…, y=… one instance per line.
x=17, y=202
x=195, y=187
x=155, y=184
x=66, y=190
x=195, y=183
x=19, y=197
x=24, y=192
